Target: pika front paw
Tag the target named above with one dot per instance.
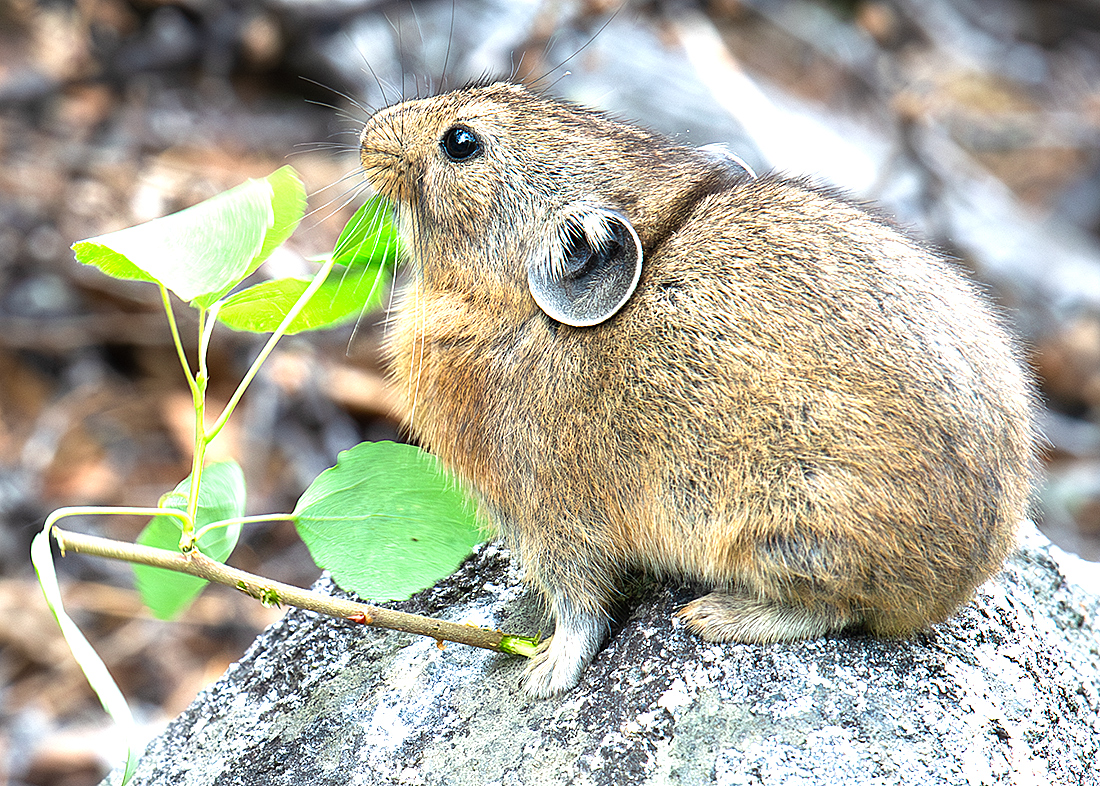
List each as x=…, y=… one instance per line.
x=558, y=664
x=552, y=670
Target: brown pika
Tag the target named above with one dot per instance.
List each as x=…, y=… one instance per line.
x=642, y=357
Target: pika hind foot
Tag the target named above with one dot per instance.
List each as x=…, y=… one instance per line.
x=722, y=616
x=558, y=664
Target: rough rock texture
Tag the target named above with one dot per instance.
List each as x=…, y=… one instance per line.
x=1008, y=691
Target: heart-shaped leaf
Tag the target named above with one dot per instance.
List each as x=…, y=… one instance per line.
x=202, y=252
x=346, y=294
x=387, y=521
x=221, y=497
x=369, y=237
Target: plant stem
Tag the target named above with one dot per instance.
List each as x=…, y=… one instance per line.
x=204, y=339
x=118, y=510
x=198, y=459
x=280, y=331
x=195, y=563
x=176, y=337
x=211, y=317
x=264, y=518
x=204, y=436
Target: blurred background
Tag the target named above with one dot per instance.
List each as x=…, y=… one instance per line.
x=976, y=123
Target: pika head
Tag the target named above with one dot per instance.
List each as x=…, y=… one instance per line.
x=641, y=356
x=491, y=175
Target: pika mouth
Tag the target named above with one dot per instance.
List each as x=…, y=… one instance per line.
x=387, y=172
x=382, y=155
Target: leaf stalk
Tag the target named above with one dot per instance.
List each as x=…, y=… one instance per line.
x=280, y=331
x=170, y=313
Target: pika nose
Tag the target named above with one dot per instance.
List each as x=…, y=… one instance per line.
x=385, y=156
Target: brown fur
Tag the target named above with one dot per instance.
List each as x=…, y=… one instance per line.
x=798, y=405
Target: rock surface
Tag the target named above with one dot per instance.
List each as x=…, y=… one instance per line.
x=1008, y=691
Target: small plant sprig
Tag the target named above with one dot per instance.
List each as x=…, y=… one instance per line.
x=386, y=521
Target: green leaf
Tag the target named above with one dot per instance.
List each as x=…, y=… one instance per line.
x=345, y=295
x=90, y=663
x=204, y=251
x=370, y=237
x=288, y=203
x=110, y=262
x=386, y=521
x=221, y=497
x=193, y=252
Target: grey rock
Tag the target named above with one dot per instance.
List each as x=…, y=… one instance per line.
x=1006, y=692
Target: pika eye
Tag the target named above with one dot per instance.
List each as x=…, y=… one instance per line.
x=460, y=143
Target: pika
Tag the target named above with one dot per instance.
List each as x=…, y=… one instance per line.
x=640, y=357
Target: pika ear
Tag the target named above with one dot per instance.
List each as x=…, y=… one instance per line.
x=588, y=270
x=733, y=163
